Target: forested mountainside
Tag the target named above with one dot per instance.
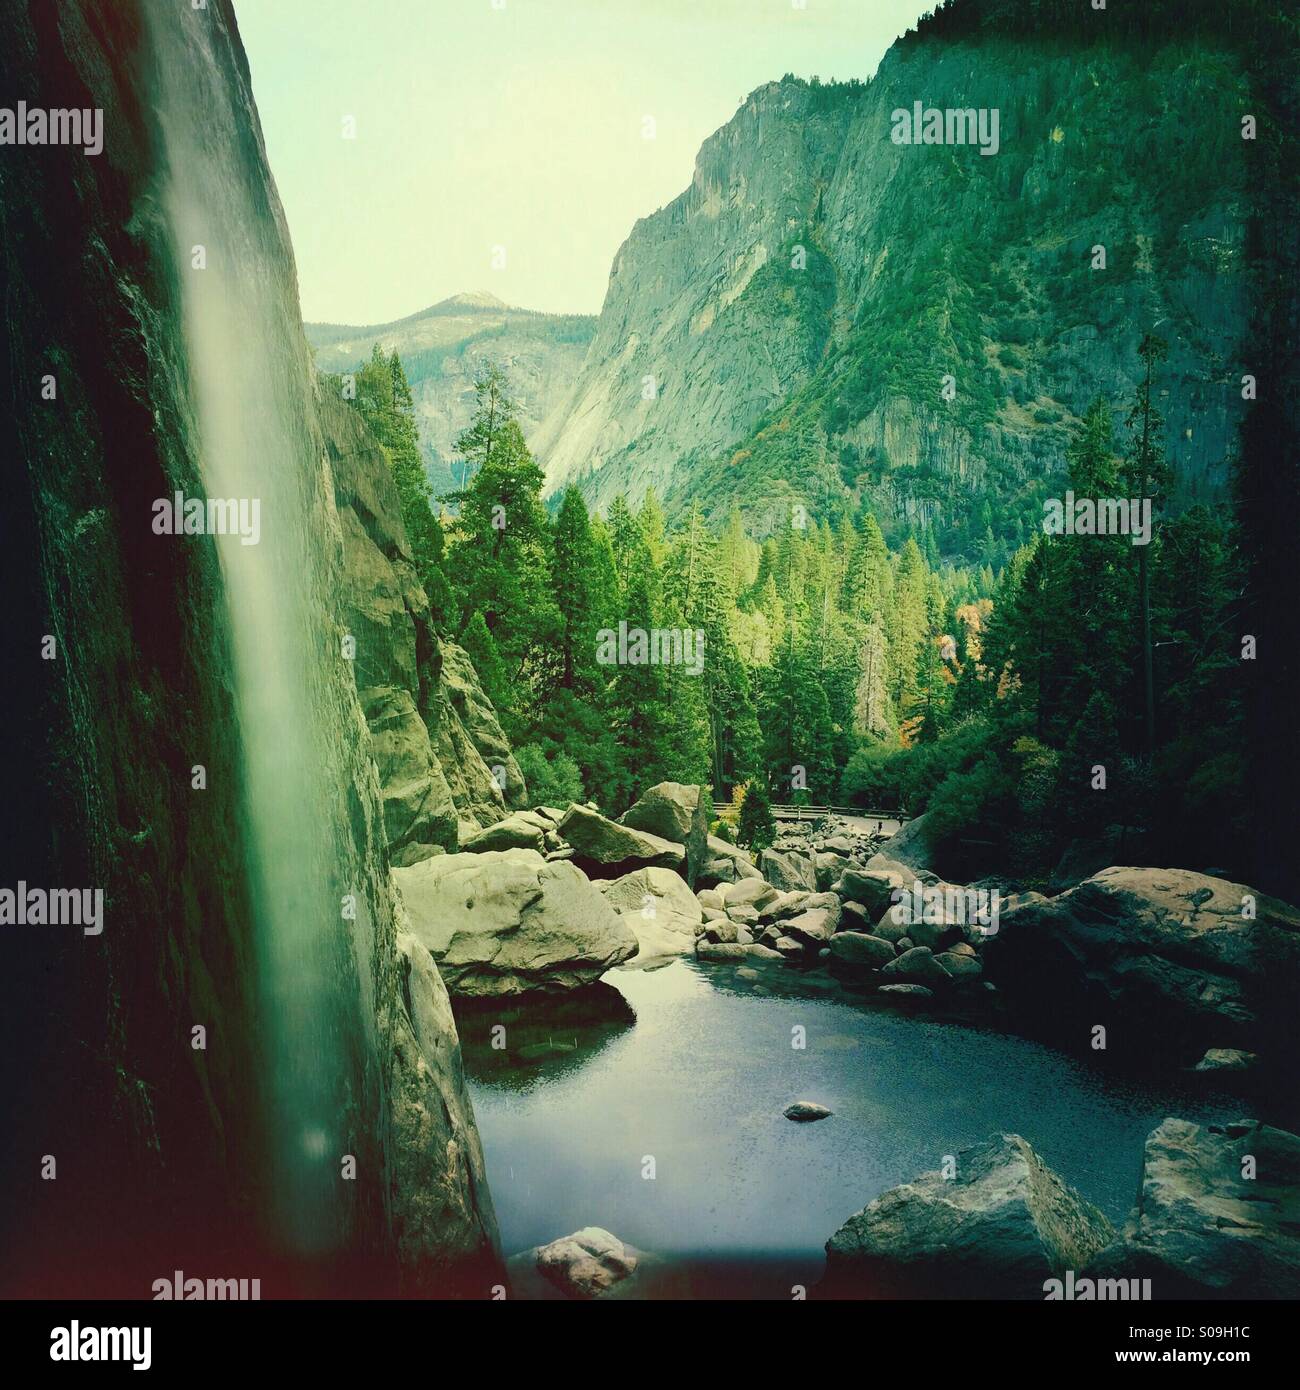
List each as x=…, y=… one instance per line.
x=888, y=621
x=445, y=347
x=781, y=333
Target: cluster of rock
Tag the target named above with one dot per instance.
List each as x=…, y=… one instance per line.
x=1209, y=967
x=1217, y=1215
x=824, y=893
x=549, y=899
x=545, y=900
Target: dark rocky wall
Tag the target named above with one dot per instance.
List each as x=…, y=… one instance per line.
x=160, y=1148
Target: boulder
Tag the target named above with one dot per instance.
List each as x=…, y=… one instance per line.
x=960, y=967
x=1203, y=1229
x=585, y=1264
x=790, y=872
x=433, y=1129
x=828, y=868
x=1000, y=1228
x=518, y=831
x=806, y=1111
x=787, y=947
x=507, y=922
x=679, y=813
x=874, y=886
x=917, y=966
x=859, y=951
x=662, y=911
x=813, y=928
x=906, y=991
x=1226, y=1059
x=909, y=846
x=853, y=917
x=784, y=905
x=742, y=912
x=1162, y=958
x=722, y=933
x=710, y=897
x=606, y=849
x=706, y=950
x=750, y=892
x=725, y=863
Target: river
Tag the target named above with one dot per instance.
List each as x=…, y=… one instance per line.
x=668, y=1131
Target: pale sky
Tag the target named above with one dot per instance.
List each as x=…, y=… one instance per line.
x=510, y=123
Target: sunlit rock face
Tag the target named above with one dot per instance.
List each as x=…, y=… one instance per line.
x=780, y=332
x=243, y=1060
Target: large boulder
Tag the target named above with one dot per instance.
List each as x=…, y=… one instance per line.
x=875, y=885
x=606, y=849
x=661, y=910
x=791, y=872
x=521, y=830
x=677, y=812
x=858, y=951
x=725, y=863
x=586, y=1264
x=909, y=845
x=999, y=1229
x=750, y=892
x=507, y=922
x=1203, y=1228
x=1159, y=957
x=917, y=966
x=813, y=928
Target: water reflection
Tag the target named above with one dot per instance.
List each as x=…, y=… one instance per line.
x=514, y=1045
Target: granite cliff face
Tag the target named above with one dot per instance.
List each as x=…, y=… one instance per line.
x=781, y=331
x=444, y=764
x=445, y=347
x=189, y=1085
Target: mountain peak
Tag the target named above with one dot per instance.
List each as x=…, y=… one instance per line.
x=475, y=299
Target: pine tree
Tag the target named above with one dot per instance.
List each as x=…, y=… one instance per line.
x=755, y=828
x=571, y=583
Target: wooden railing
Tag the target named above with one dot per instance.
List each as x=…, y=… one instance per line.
x=813, y=812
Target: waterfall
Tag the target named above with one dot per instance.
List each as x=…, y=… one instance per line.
x=250, y=388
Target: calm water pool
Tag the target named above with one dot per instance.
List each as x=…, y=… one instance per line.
x=684, y=1072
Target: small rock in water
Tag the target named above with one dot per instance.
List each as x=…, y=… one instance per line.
x=805, y=1110
x=907, y=991
x=1226, y=1059
x=586, y=1263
